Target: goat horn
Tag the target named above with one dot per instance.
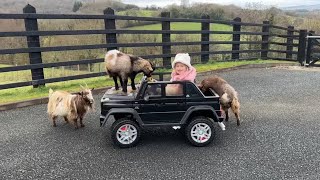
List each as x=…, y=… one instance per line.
x=82, y=86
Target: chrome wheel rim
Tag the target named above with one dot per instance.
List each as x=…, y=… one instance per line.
x=127, y=134
x=201, y=132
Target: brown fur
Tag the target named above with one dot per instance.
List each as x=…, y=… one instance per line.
x=124, y=66
x=69, y=106
x=228, y=95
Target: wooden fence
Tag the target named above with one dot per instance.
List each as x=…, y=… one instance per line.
x=279, y=43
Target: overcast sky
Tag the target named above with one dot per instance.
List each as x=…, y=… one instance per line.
x=278, y=3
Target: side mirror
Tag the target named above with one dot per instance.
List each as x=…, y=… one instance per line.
x=146, y=98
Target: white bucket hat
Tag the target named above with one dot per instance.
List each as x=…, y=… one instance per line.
x=183, y=58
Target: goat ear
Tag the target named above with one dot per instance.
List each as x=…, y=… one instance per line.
x=78, y=93
x=92, y=89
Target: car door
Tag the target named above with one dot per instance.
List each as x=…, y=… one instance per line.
x=175, y=103
x=155, y=107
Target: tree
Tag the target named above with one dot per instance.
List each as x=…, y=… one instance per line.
x=174, y=11
x=76, y=6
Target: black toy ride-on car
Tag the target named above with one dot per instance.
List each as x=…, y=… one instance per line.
x=152, y=106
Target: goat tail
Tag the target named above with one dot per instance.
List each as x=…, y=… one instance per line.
x=111, y=56
x=50, y=105
x=235, y=106
x=50, y=92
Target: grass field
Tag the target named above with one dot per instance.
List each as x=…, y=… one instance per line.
x=153, y=38
x=191, y=26
x=25, y=75
x=185, y=26
x=27, y=93
x=140, y=13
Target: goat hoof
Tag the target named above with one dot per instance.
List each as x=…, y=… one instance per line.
x=118, y=92
x=54, y=125
x=82, y=125
x=123, y=93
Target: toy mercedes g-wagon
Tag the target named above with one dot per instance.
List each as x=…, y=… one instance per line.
x=150, y=106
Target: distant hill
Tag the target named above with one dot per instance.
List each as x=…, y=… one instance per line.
x=42, y=6
x=46, y=6
x=302, y=8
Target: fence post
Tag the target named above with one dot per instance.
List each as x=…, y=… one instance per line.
x=166, y=49
x=205, y=26
x=236, y=38
x=290, y=33
x=265, y=40
x=309, y=48
x=110, y=24
x=302, y=46
x=33, y=41
x=161, y=77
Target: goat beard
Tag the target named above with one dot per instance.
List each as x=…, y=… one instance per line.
x=92, y=107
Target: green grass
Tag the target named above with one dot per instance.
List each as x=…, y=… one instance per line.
x=183, y=37
x=184, y=26
x=193, y=27
x=25, y=75
x=223, y=65
x=140, y=13
x=27, y=93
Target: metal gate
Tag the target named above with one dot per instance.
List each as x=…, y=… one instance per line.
x=313, y=50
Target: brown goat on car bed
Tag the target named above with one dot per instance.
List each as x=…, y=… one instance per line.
x=70, y=106
x=123, y=65
x=228, y=95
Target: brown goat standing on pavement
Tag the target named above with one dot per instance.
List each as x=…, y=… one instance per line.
x=228, y=95
x=123, y=65
x=70, y=106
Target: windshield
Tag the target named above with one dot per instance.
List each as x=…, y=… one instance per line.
x=134, y=93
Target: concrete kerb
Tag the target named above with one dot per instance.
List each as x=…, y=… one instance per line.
x=8, y=106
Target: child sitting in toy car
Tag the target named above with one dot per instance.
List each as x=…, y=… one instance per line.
x=182, y=71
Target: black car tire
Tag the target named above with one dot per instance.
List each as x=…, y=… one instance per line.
x=125, y=133
x=201, y=127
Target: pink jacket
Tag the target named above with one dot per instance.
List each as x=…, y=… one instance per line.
x=188, y=75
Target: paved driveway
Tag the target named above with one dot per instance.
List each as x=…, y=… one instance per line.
x=279, y=138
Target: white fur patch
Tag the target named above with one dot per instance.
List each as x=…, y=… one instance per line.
x=61, y=110
x=114, y=51
x=111, y=56
x=224, y=98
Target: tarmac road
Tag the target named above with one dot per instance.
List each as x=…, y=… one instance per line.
x=279, y=138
